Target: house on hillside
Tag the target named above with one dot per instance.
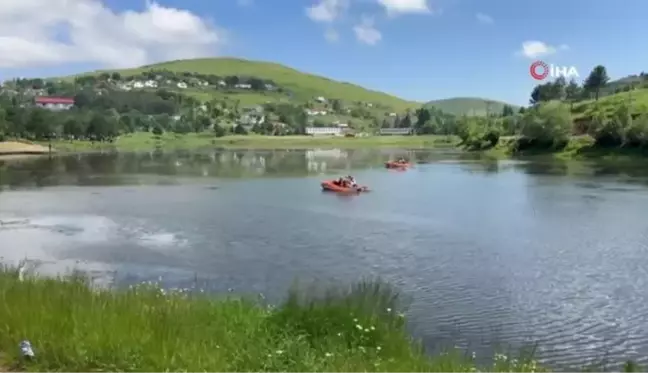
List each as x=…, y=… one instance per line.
x=54, y=103
x=243, y=86
x=138, y=85
x=182, y=85
x=151, y=84
x=320, y=99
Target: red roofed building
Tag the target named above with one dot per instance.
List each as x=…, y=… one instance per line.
x=54, y=103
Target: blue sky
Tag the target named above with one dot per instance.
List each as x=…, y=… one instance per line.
x=456, y=48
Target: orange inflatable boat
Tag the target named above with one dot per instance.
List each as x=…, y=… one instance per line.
x=332, y=186
x=394, y=164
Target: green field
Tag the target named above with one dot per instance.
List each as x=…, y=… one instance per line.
x=148, y=141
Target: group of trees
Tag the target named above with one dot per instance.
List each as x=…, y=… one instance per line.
x=433, y=121
x=102, y=117
x=592, y=87
x=551, y=125
x=549, y=121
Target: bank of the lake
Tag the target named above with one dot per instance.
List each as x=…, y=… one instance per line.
x=577, y=148
x=17, y=148
x=73, y=327
x=149, y=141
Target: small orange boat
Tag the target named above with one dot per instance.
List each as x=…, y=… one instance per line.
x=333, y=186
x=398, y=165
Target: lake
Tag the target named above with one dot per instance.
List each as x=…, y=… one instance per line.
x=491, y=253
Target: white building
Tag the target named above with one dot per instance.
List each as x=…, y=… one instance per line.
x=320, y=99
x=395, y=131
x=182, y=85
x=316, y=112
x=324, y=131
x=243, y=86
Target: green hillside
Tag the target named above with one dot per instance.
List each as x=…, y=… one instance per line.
x=469, y=105
x=300, y=86
x=625, y=84
x=636, y=99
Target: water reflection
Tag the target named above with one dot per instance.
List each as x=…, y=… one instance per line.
x=154, y=166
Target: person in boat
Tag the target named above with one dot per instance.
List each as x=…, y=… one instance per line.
x=339, y=182
x=401, y=160
x=352, y=182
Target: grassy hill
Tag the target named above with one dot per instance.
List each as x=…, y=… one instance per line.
x=636, y=81
x=469, y=105
x=302, y=86
x=637, y=99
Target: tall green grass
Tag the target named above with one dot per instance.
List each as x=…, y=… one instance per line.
x=74, y=327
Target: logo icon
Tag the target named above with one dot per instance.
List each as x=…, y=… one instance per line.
x=539, y=70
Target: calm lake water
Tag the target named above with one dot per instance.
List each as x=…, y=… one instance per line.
x=508, y=253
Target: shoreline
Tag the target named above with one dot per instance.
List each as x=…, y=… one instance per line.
x=20, y=149
x=578, y=148
x=73, y=326
x=147, y=142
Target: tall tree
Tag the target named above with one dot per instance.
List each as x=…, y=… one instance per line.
x=572, y=93
x=336, y=105
x=507, y=111
x=422, y=116
x=396, y=122
x=596, y=80
x=557, y=89
x=406, y=122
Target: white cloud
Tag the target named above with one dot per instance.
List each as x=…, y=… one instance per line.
x=39, y=33
x=484, y=18
x=327, y=11
x=366, y=32
x=331, y=35
x=536, y=49
x=394, y=7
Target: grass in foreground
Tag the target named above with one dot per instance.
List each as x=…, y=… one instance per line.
x=148, y=141
x=144, y=328
x=75, y=328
